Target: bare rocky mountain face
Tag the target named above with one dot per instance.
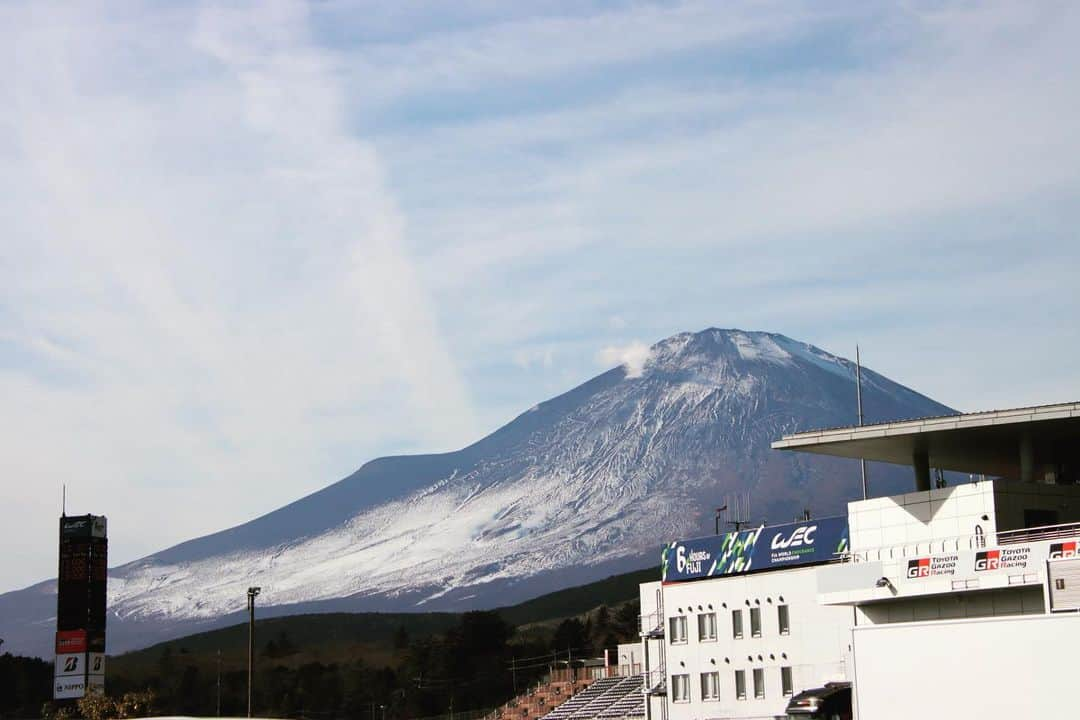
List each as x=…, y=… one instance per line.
x=584, y=485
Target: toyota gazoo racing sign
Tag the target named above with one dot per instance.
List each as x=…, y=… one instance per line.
x=1002, y=558
x=763, y=548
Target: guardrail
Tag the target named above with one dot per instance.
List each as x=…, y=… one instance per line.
x=651, y=624
x=656, y=681
x=1046, y=532
x=957, y=543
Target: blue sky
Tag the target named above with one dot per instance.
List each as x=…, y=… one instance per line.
x=249, y=246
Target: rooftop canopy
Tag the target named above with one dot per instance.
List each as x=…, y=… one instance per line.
x=1039, y=443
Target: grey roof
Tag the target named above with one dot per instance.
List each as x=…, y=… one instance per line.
x=981, y=442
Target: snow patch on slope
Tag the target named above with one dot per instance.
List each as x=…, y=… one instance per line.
x=759, y=347
x=826, y=361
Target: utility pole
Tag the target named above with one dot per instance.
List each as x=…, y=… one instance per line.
x=252, y=593
x=719, y=514
x=858, y=399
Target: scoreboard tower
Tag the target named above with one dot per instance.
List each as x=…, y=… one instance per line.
x=80, y=607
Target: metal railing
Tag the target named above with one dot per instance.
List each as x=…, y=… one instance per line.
x=651, y=624
x=974, y=541
x=656, y=681
x=1046, y=532
x=935, y=546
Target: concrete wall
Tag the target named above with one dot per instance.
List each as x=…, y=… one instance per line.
x=986, y=603
x=816, y=648
x=630, y=658
x=652, y=651
x=922, y=516
x=994, y=669
x=1012, y=498
x=956, y=512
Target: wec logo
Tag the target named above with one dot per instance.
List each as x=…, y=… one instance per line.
x=1063, y=550
x=800, y=536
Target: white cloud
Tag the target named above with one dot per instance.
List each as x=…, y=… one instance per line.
x=537, y=45
x=633, y=356
x=219, y=292
x=210, y=305
x=528, y=358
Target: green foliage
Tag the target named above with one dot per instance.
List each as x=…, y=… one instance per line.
x=99, y=706
x=401, y=638
x=579, y=600
x=571, y=635
x=53, y=711
x=280, y=646
x=365, y=666
x=25, y=683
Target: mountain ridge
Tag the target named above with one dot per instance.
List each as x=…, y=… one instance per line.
x=590, y=481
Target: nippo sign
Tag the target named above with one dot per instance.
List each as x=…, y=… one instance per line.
x=763, y=548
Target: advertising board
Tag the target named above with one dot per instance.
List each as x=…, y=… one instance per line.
x=81, y=606
x=763, y=548
x=70, y=665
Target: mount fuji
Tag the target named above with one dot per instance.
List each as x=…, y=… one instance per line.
x=581, y=486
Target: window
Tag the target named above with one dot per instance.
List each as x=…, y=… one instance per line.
x=785, y=681
x=755, y=622
x=740, y=684
x=759, y=683
x=710, y=686
x=783, y=619
x=680, y=688
x=706, y=626
x=736, y=624
x=678, y=629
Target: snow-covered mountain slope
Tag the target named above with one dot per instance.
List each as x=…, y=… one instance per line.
x=588, y=483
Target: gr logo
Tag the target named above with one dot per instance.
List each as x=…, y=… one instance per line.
x=71, y=664
x=1063, y=550
x=918, y=568
x=987, y=560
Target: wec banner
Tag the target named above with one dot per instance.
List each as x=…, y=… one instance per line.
x=764, y=548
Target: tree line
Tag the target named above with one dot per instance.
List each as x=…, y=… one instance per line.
x=478, y=664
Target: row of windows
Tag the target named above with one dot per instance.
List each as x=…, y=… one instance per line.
x=710, y=685
x=707, y=625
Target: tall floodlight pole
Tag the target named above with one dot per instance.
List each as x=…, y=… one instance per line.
x=858, y=398
x=253, y=592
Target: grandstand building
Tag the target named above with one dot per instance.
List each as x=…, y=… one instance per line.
x=952, y=601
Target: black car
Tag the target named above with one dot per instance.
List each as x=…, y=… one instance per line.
x=832, y=702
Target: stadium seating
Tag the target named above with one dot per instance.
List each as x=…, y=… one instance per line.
x=607, y=698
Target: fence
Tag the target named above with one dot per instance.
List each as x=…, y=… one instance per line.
x=963, y=542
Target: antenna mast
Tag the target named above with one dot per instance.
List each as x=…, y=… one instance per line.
x=858, y=399
x=739, y=506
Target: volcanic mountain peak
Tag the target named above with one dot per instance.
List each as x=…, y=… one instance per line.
x=584, y=484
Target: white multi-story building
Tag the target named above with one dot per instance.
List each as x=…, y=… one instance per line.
x=953, y=601
x=741, y=646
x=736, y=629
